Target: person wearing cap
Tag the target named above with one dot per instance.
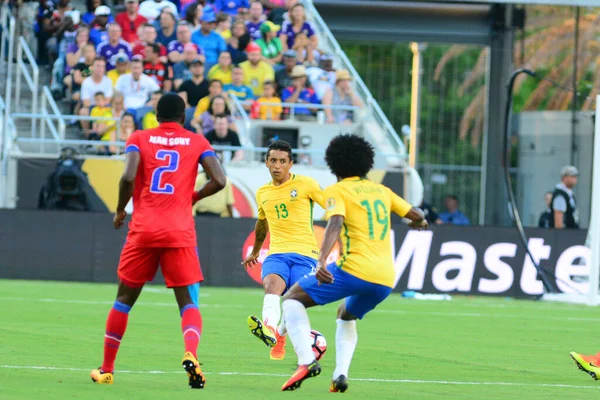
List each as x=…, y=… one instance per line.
x=110, y=48
x=563, y=208
x=196, y=88
x=256, y=20
x=122, y=67
x=342, y=94
x=222, y=70
x=99, y=34
x=299, y=93
x=181, y=70
x=232, y=7
x=256, y=71
x=323, y=77
x=283, y=77
x=270, y=45
x=91, y=5
x=209, y=40
x=176, y=48
x=130, y=20
x=150, y=9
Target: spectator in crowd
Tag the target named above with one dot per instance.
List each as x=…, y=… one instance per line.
x=217, y=205
x=81, y=71
x=296, y=26
x=283, y=77
x=122, y=67
x=150, y=9
x=341, y=95
x=237, y=88
x=184, y=38
x=322, y=78
x=130, y=21
x=195, y=88
x=211, y=42
x=256, y=71
x=155, y=69
x=270, y=45
x=167, y=31
x=150, y=121
x=126, y=128
x=223, y=69
x=149, y=34
x=218, y=106
x=110, y=48
x=89, y=15
x=223, y=136
x=256, y=20
x=181, y=70
x=136, y=87
x=279, y=10
x=303, y=47
x=193, y=14
x=118, y=105
x=563, y=207
x=96, y=82
x=75, y=50
x=215, y=88
x=56, y=22
x=452, y=215
x=299, y=93
x=232, y=7
x=430, y=213
x=101, y=128
x=236, y=45
x=269, y=111
x=546, y=216
x=224, y=25
x=98, y=33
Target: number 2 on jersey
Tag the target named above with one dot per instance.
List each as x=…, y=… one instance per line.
x=381, y=216
x=173, y=158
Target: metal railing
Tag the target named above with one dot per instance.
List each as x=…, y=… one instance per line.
x=32, y=79
x=58, y=133
x=364, y=92
x=7, y=35
x=294, y=106
x=246, y=122
x=5, y=19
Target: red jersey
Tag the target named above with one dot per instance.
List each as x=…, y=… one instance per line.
x=164, y=185
x=159, y=72
x=140, y=50
x=129, y=27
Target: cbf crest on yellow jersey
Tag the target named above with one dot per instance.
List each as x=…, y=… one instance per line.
x=288, y=209
x=366, y=247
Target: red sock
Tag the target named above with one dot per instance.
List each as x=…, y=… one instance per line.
x=191, y=326
x=116, y=323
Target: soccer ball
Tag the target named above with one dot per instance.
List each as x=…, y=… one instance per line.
x=319, y=344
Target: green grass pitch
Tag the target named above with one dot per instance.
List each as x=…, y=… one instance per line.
x=51, y=336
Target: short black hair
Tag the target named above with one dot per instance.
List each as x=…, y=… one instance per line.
x=349, y=155
x=453, y=197
x=280, y=145
x=170, y=108
x=155, y=47
x=99, y=94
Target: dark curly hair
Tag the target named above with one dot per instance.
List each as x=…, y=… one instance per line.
x=349, y=155
x=280, y=145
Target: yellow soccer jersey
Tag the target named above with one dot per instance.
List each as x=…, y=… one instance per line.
x=288, y=209
x=366, y=207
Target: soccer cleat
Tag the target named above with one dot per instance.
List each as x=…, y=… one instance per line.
x=102, y=378
x=278, y=351
x=340, y=384
x=302, y=373
x=588, y=364
x=192, y=367
x=261, y=331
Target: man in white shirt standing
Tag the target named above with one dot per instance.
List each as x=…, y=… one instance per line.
x=96, y=82
x=136, y=86
x=150, y=9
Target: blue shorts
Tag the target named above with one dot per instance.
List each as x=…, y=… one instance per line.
x=361, y=296
x=291, y=267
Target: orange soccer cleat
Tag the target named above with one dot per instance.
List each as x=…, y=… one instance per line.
x=302, y=373
x=278, y=352
x=588, y=364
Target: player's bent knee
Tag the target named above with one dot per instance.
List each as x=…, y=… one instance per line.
x=274, y=284
x=297, y=293
x=343, y=313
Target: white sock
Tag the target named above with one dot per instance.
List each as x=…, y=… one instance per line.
x=282, y=329
x=345, y=343
x=271, y=310
x=298, y=327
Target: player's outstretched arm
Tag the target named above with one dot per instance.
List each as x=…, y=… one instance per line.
x=217, y=180
x=332, y=234
x=417, y=218
x=132, y=161
x=261, y=228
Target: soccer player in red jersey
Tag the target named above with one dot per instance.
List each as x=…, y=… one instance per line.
x=160, y=172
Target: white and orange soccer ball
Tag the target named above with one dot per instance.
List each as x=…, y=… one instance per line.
x=319, y=344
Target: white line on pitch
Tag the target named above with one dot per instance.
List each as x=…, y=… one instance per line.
x=316, y=309
x=415, y=381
